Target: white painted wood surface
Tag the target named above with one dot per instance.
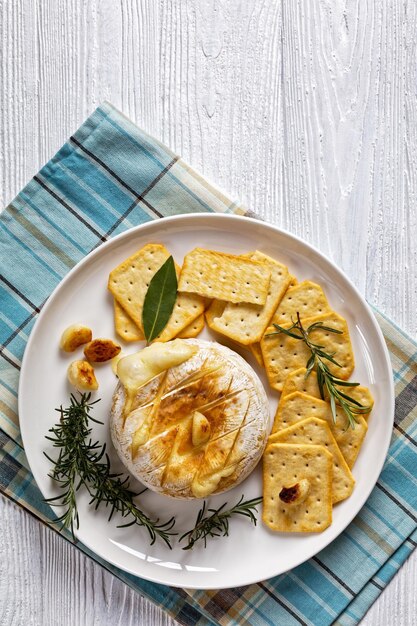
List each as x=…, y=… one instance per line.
x=306, y=111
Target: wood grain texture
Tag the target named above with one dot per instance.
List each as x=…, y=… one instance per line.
x=46, y=581
x=306, y=111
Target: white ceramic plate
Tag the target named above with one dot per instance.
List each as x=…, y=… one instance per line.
x=250, y=553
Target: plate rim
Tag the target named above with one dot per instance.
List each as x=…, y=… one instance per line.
x=169, y=575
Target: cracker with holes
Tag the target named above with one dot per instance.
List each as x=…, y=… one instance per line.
x=299, y=406
x=215, y=309
x=187, y=308
x=297, y=381
x=124, y=325
x=129, y=282
x=193, y=329
x=306, y=298
x=317, y=432
x=255, y=348
x=224, y=277
x=297, y=488
x=283, y=354
x=245, y=322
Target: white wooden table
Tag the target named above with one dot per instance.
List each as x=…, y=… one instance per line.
x=306, y=111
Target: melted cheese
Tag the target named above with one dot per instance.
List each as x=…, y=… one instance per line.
x=194, y=429
x=203, y=488
x=115, y=362
x=135, y=370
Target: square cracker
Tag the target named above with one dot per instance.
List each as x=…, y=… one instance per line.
x=296, y=381
x=307, y=298
x=193, y=329
x=283, y=354
x=224, y=277
x=215, y=309
x=129, y=282
x=255, y=348
x=298, y=406
x=187, y=308
x=284, y=465
x=244, y=322
x=317, y=432
x=124, y=325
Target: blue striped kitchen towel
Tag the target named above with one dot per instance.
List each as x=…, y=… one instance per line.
x=109, y=177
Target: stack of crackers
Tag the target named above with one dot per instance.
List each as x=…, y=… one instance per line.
x=309, y=457
x=252, y=285
x=129, y=282
x=306, y=446
x=304, y=427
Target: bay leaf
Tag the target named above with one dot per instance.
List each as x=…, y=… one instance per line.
x=159, y=300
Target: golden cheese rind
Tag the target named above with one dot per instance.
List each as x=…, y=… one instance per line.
x=296, y=381
x=299, y=406
x=193, y=329
x=317, y=432
x=306, y=298
x=283, y=354
x=129, y=282
x=244, y=322
x=224, y=277
x=284, y=466
x=124, y=325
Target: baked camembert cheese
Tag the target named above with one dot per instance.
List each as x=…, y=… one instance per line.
x=190, y=418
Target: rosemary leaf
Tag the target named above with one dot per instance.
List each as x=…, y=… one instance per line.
x=326, y=381
x=84, y=462
x=216, y=522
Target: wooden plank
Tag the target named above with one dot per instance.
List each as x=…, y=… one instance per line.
x=46, y=580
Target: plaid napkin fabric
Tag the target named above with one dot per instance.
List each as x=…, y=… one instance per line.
x=109, y=177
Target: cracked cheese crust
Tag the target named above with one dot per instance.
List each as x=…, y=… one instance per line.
x=197, y=429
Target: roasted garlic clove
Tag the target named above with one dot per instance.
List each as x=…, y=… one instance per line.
x=75, y=336
x=201, y=429
x=296, y=493
x=100, y=350
x=81, y=375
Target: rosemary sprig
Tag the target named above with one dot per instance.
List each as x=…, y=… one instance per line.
x=82, y=461
x=217, y=524
x=327, y=382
